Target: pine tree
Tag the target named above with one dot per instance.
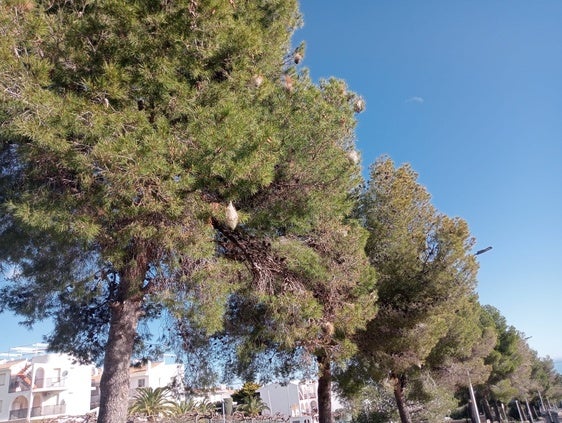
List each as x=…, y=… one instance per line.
x=327, y=292
x=157, y=156
x=511, y=362
x=545, y=378
x=425, y=272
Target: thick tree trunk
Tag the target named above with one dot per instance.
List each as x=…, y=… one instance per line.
x=125, y=312
x=114, y=384
x=324, y=390
x=399, y=386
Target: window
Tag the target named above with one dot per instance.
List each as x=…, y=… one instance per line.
x=140, y=383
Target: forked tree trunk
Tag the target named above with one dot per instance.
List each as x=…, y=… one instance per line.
x=324, y=389
x=399, y=387
x=125, y=312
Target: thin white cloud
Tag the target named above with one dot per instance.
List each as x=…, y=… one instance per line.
x=415, y=99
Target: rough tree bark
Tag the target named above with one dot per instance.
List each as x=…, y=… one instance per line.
x=324, y=389
x=399, y=383
x=125, y=313
x=114, y=385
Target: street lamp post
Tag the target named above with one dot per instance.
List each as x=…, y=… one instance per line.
x=477, y=253
x=475, y=415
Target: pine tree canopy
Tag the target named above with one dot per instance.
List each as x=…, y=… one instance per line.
x=156, y=156
x=129, y=126
x=159, y=156
x=424, y=264
x=426, y=275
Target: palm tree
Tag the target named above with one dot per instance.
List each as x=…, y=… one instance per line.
x=252, y=406
x=183, y=408
x=206, y=407
x=151, y=403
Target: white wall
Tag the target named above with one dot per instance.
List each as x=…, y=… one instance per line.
x=57, y=380
x=8, y=369
x=287, y=401
x=281, y=399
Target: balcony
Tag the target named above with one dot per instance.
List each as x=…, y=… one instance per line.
x=307, y=395
x=17, y=384
x=46, y=410
x=49, y=383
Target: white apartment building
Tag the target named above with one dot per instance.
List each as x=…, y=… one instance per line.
x=219, y=394
x=40, y=385
x=298, y=400
x=35, y=385
x=154, y=375
x=147, y=374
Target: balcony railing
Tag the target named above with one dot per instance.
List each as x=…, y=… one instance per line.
x=18, y=414
x=46, y=410
x=18, y=385
x=50, y=382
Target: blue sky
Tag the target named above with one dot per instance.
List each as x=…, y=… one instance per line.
x=469, y=93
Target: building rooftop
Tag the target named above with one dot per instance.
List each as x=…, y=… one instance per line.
x=8, y=364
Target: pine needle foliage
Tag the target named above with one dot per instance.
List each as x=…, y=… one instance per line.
x=127, y=128
x=426, y=273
